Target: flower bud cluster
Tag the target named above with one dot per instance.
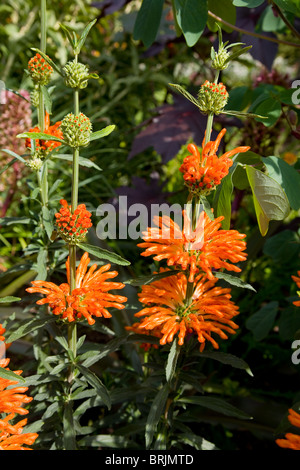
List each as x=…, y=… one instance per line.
x=40, y=71
x=76, y=130
x=76, y=75
x=212, y=97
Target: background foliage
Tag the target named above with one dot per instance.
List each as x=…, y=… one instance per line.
x=138, y=50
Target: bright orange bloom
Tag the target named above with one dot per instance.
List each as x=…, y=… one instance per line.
x=208, y=312
x=89, y=299
x=297, y=281
x=203, y=172
x=46, y=146
x=12, y=399
x=291, y=441
x=2, y=331
x=135, y=328
x=12, y=437
x=203, y=250
x=73, y=227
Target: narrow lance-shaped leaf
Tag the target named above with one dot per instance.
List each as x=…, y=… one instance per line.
x=96, y=383
x=101, y=253
x=156, y=411
x=83, y=37
x=40, y=136
x=172, y=360
x=102, y=133
x=10, y=375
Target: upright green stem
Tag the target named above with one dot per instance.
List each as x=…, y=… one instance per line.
x=72, y=332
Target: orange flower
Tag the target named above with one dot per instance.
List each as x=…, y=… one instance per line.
x=2, y=331
x=46, y=146
x=297, y=281
x=12, y=399
x=291, y=441
x=12, y=437
x=208, y=312
x=135, y=328
x=202, y=173
x=73, y=227
x=89, y=299
x=205, y=249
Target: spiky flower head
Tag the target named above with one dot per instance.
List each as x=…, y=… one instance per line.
x=35, y=163
x=39, y=69
x=212, y=97
x=76, y=75
x=220, y=58
x=76, y=130
x=73, y=227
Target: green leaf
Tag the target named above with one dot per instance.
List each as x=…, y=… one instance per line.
x=48, y=60
x=283, y=247
x=191, y=16
x=82, y=160
x=13, y=154
x=156, y=411
x=47, y=99
x=216, y=404
x=289, y=5
x=223, y=9
x=8, y=165
x=233, y=280
x=237, y=53
x=147, y=21
x=289, y=323
x=228, y=359
x=9, y=299
x=287, y=176
x=28, y=326
x=41, y=264
x=69, y=434
x=172, y=360
x=104, y=441
x=270, y=201
x=69, y=33
x=10, y=375
x=40, y=136
x=47, y=221
x=102, y=133
x=185, y=93
x=83, y=37
x=270, y=110
x=96, y=383
x=222, y=201
x=101, y=253
x=143, y=280
x=6, y=221
x=261, y=322
x=248, y=3
x=206, y=207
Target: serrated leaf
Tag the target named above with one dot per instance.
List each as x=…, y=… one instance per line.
x=156, y=411
x=101, y=253
x=233, y=280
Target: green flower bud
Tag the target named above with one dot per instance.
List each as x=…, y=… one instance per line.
x=76, y=130
x=35, y=97
x=76, y=75
x=35, y=163
x=212, y=97
x=219, y=60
